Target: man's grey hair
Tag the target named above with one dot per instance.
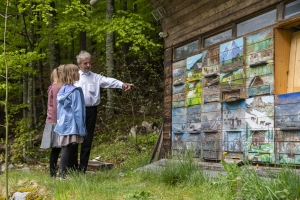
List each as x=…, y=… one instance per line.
x=82, y=55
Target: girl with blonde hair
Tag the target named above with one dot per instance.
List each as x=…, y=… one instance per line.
x=71, y=117
x=49, y=139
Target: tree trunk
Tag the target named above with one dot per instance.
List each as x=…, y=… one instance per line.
x=54, y=58
x=82, y=35
x=43, y=96
x=125, y=46
x=110, y=64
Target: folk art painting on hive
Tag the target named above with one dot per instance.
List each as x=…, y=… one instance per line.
x=209, y=114
x=260, y=63
x=232, y=70
x=260, y=129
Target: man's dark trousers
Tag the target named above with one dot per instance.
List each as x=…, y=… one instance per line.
x=91, y=117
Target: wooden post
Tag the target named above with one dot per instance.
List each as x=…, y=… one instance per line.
x=157, y=144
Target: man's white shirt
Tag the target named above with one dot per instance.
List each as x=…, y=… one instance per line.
x=91, y=83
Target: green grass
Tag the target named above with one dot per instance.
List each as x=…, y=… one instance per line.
x=111, y=185
x=180, y=178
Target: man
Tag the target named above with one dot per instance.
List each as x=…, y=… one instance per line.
x=91, y=83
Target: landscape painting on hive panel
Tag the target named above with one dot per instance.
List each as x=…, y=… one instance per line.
x=194, y=67
x=179, y=127
x=260, y=112
x=194, y=92
x=194, y=119
x=234, y=115
x=210, y=65
x=178, y=99
x=287, y=111
x=260, y=146
x=231, y=55
x=211, y=89
x=287, y=149
x=260, y=80
x=260, y=48
x=179, y=72
x=211, y=117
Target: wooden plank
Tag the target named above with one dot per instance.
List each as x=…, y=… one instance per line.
x=209, y=15
x=168, y=55
x=182, y=12
x=178, y=6
x=202, y=13
x=294, y=64
x=168, y=72
x=214, y=22
x=157, y=144
x=282, y=42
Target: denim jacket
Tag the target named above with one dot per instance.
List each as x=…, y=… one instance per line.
x=70, y=112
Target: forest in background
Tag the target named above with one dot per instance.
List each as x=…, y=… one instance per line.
x=122, y=37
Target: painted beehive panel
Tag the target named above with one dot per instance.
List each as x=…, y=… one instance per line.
x=287, y=111
x=211, y=117
x=210, y=64
x=194, y=92
x=193, y=136
x=179, y=79
x=211, y=89
x=233, y=126
x=260, y=48
x=179, y=120
x=179, y=127
x=212, y=146
x=234, y=115
x=231, y=55
x=260, y=113
x=233, y=143
x=194, y=67
x=193, y=143
x=260, y=80
x=211, y=94
x=260, y=64
x=287, y=147
x=232, y=85
x=260, y=146
x=178, y=144
x=231, y=70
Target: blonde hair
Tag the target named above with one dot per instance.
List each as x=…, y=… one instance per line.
x=55, y=76
x=69, y=74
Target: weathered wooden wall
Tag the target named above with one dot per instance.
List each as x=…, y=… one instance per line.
x=188, y=20
x=185, y=20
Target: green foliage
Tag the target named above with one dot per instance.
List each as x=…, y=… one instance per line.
x=24, y=136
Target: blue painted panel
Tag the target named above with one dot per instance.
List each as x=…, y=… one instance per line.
x=196, y=118
x=178, y=89
x=234, y=115
x=287, y=149
x=179, y=111
x=194, y=110
x=178, y=104
x=179, y=119
x=194, y=128
x=179, y=128
x=290, y=98
x=233, y=141
x=211, y=107
x=178, y=72
x=287, y=110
